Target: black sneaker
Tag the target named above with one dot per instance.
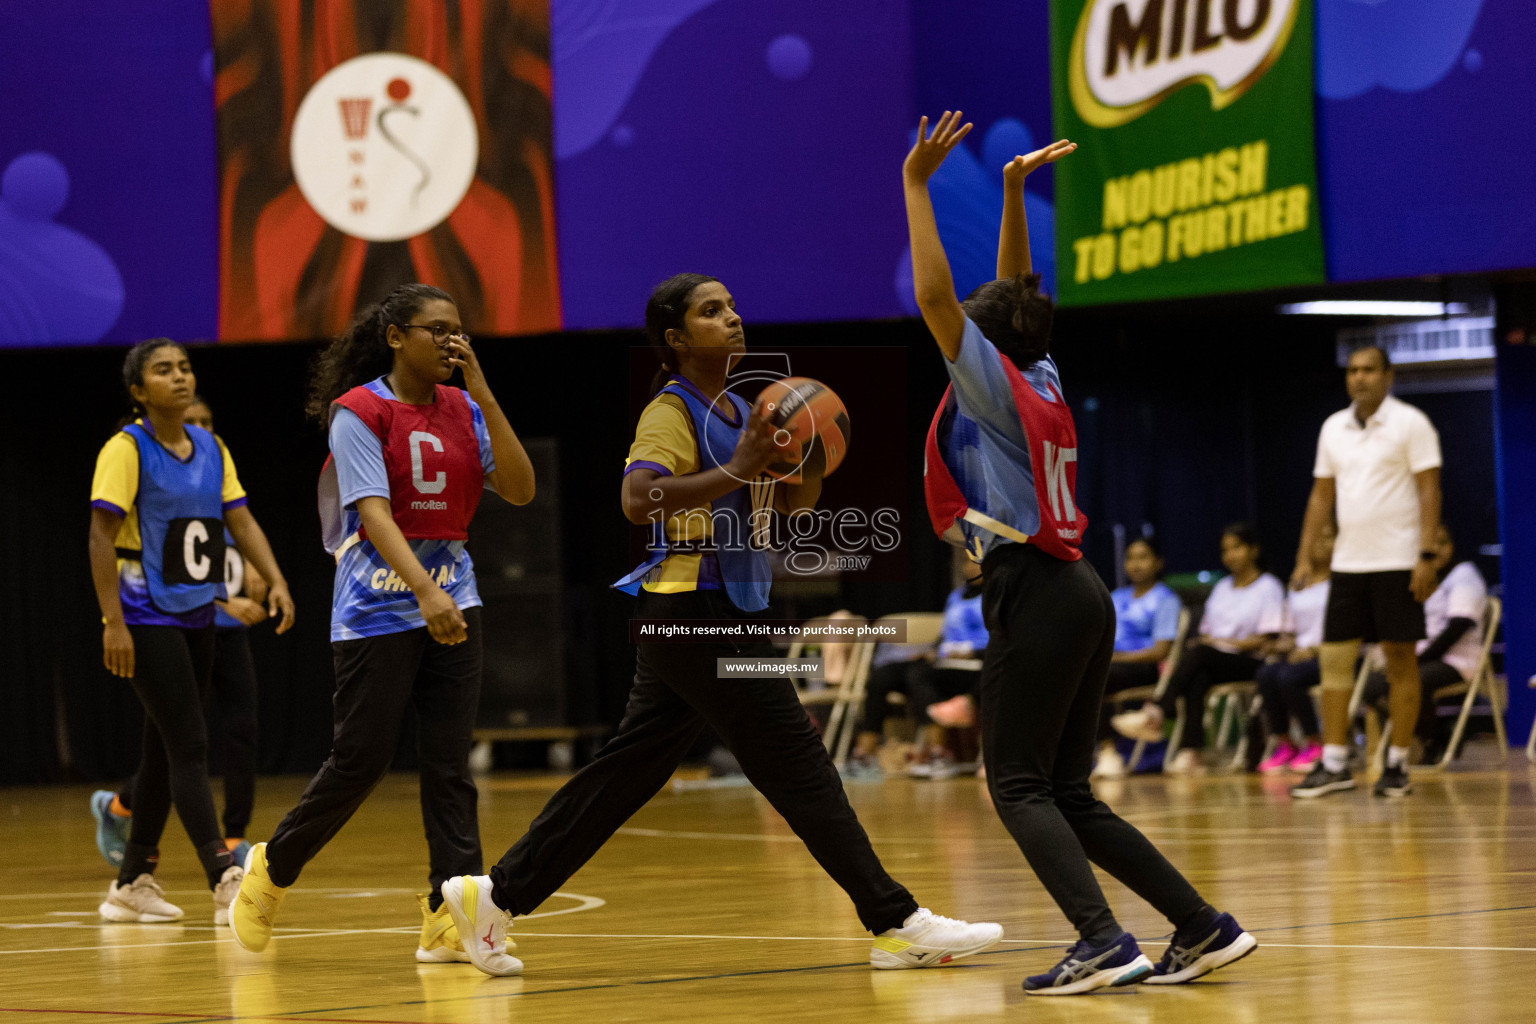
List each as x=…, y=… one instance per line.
x=1320, y=782
x=1393, y=782
x=1116, y=965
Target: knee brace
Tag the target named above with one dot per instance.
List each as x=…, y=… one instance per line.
x=1337, y=664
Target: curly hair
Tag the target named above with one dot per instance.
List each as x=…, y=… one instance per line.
x=1015, y=315
x=362, y=352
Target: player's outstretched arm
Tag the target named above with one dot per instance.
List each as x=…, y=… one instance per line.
x=932, y=282
x=1013, y=239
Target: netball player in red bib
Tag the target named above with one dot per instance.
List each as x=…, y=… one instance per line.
x=695, y=472
x=1000, y=478
x=409, y=460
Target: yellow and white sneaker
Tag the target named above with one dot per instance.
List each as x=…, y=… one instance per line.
x=481, y=924
x=927, y=940
x=142, y=902
x=256, y=904
x=439, y=942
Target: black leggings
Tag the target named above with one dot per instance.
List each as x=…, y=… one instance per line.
x=375, y=678
x=1051, y=631
x=677, y=693
x=172, y=668
x=1287, y=692
x=920, y=681
x=1123, y=676
x=1199, y=669
x=231, y=703
x=233, y=706
x=1432, y=676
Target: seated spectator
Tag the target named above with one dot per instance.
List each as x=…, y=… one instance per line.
x=1146, y=624
x=924, y=684
x=1453, y=625
x=1243, y=611
x=1287, y=678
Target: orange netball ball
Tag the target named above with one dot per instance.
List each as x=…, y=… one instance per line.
x=804, y=411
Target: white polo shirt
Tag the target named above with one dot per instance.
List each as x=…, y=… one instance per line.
x=1377, y=500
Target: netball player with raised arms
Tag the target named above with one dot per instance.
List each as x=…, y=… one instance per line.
x=695, y=472
x=1000, y=482
x=409, y=460
x=162, y=495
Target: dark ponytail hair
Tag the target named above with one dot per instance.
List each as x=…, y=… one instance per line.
x=664, y=311
x=362, y=353
x=133, y=371
x=1153, y=546
x=1244, y=533
x=1015, y=315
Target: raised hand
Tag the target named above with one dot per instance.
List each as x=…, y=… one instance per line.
x=928, y=153
x=1017, y=169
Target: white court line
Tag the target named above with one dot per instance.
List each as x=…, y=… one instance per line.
x=302, y=934
x=584, y=903
x=97, y=894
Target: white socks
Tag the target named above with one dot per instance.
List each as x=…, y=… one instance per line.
x=1335, y=756
x=1397, y=757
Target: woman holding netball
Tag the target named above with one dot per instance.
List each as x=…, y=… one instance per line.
x=162, y=495
x=696, y=473
x=409, y=460
x=1001, y=468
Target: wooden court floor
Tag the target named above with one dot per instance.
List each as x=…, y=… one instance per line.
x=708, y=909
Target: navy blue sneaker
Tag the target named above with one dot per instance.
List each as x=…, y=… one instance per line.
x=1190, y=956
x=111, y=830
x=1085, y=969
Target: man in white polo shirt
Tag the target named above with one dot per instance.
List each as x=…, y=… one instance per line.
x=1378, y=472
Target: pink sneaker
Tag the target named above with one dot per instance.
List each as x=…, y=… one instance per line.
x=1308, y=758
x=1281, y=759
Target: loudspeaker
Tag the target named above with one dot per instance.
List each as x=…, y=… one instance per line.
x=517, y=568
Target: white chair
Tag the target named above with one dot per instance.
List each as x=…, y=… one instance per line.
x=836, y=693
x=923, y=628
x=1483, y=682
x=1530, y=744
x=1239, y=703
x=1143, y=694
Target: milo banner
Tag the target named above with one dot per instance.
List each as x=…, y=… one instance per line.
x=1195, y=171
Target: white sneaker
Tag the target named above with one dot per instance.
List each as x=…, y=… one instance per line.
x=225, y=892
x=143, y=902
x=1185, y=762
x=1110, y=765
x=927, y=940
x=1146, y=724
x=482, y=924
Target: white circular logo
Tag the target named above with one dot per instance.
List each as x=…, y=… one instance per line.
x=384, y=147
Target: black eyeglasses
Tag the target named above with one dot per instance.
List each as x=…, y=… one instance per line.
x=439, y=332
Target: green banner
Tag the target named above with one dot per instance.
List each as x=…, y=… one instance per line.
x=1194, y=172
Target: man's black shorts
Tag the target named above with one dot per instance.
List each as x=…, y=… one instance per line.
x=1374, y=607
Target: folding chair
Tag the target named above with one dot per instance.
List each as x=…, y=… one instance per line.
x=922, y=628
x=834, y=694
x=1155, y=693
x=1482, y=682
x=1239, y=703
x=1530, y=744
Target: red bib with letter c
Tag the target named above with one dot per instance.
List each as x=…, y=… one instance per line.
x=432, y=458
